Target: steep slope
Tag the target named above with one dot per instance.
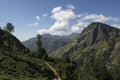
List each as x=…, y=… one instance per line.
x=17, y=62
x=96, y=52
x=97, y=39
x=50, y=42
x=7, y=39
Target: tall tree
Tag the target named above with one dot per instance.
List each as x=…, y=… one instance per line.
x=41, y=51
x=9, y=28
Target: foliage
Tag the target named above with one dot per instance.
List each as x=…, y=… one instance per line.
x=88, y=57
x=9, y=27
x=96, y=52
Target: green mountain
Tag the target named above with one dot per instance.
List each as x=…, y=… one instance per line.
x=96, y=51
x=6, y=39
x=18, y=63
x=50, y=42
x=97, y=38
x=93, y=55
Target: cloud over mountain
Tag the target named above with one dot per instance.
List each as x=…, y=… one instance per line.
x=85, y=19
x=99, y=18
x=62, y=18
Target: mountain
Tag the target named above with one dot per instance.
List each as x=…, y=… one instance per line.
x=18, y=63
x=93, y=55
x=50, y=42
x=96, y=51
x=6, y=39
x=97, y=38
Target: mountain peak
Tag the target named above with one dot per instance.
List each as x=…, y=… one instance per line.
x=97, y=31
x=97, y=23
x=101, y=26
x=96, y=36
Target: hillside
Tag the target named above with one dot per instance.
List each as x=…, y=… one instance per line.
x=97, y=37
x=6, y=38
x=93, y=55
x=50, y=42
x=18, y=63
x=96, y=51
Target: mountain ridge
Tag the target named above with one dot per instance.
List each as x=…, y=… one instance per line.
x=96, y=52
x=93, y=55
x=50, y=42
x=90, y=37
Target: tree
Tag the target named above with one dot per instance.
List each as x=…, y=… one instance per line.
x=41, y=51
x=9, y=28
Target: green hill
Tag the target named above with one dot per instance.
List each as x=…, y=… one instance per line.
x=97, y=38
x=6, y=39
x=96, y=51
x=17, y=62
x=93, y=55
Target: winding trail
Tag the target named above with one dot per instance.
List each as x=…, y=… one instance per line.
x=57, y=76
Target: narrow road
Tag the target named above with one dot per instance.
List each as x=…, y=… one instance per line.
x=57, y=76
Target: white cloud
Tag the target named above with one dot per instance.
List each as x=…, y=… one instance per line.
x=61, y=24
x=70, y=6
x=85, y=19
x=38, y=18
x=36, y=22
x=99, y=18
x=56, y=9
x=43, y=31
x=80, y=15
x=33, y=24
x=64, y=15
x=77, y=28
x=116, y=25
x=62, y=20
x=45, y=14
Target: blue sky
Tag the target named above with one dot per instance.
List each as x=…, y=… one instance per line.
x=57, y=17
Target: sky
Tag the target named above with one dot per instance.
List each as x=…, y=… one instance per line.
x=56, y=17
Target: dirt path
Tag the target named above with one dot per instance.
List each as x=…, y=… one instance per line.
x=57, y=76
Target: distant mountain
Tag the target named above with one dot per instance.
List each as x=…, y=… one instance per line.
x=50, y=42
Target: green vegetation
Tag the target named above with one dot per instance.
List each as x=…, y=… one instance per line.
x=95, y=51
x=19, y=63
x=94, y=55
